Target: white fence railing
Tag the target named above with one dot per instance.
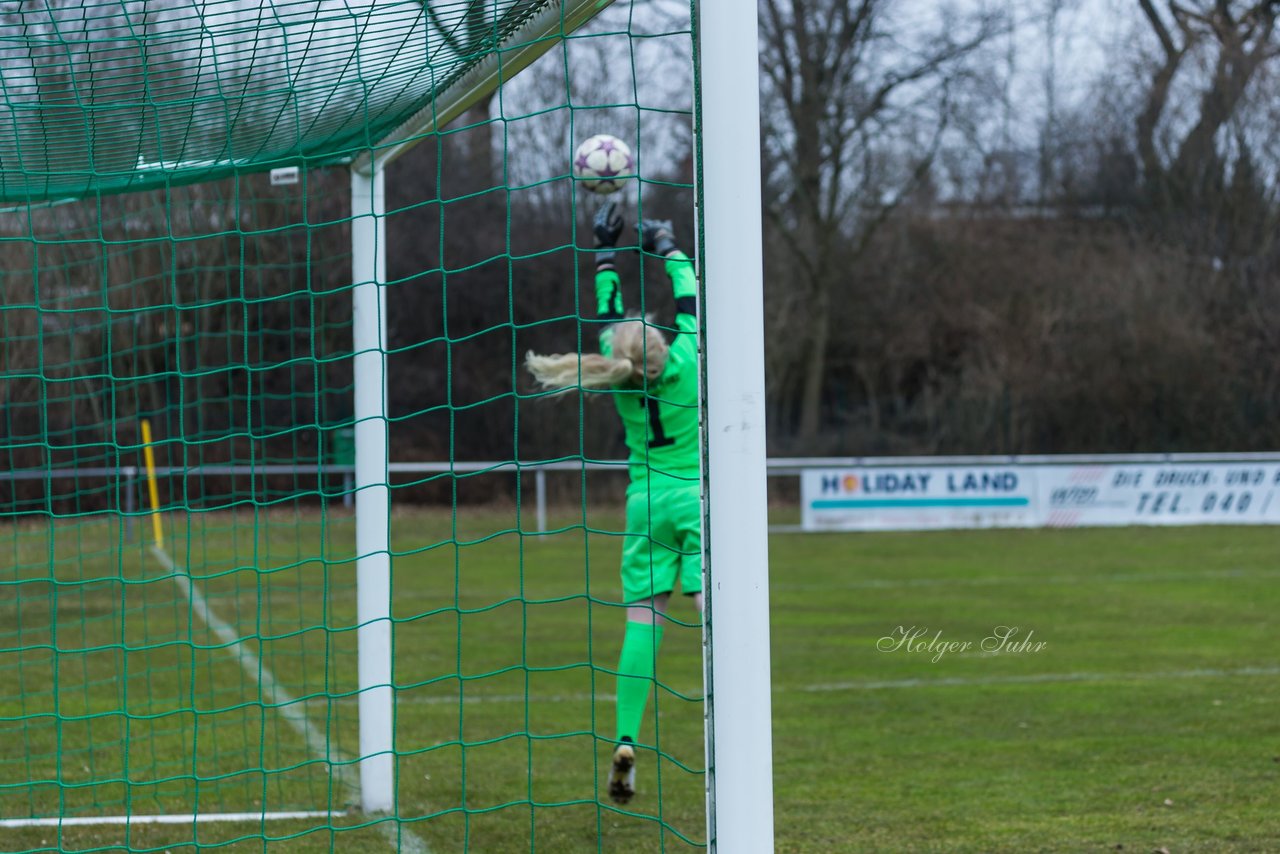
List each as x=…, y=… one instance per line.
x=128, y=476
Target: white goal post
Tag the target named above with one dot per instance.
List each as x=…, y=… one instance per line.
x=736, y=547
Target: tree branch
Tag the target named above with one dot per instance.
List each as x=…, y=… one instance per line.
x=1162, y=32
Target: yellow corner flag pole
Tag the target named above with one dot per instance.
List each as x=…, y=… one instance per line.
x=149, y=454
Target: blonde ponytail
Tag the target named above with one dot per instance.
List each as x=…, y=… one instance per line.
x=639, y=351
x=571, y=370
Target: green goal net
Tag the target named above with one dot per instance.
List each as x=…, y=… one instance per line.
x=192, y=197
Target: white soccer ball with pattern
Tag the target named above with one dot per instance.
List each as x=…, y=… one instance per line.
x=603, y=163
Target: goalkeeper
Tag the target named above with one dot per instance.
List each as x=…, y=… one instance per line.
x=655, y=387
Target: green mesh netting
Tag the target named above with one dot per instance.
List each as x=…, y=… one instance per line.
x=217, y=316
x=199, y=689
x=121, y=96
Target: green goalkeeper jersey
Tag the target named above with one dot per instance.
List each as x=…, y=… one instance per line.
x=661, y=418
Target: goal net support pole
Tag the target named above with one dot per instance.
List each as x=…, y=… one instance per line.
x=373, y=499
x=739, y=742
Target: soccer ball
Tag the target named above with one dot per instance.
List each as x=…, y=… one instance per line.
x=603, y=163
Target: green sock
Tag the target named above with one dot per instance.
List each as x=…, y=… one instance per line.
x=635, y=675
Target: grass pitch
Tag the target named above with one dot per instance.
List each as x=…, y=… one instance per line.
x=1134, y=705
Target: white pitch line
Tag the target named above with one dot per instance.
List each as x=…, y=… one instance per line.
x=201, y=818
x=872, y=685
x=1037, y=678
x=285, y=703
x=502, y=698
x=990, y=580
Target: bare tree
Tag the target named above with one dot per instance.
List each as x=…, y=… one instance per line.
x=1234, y=41
x=854, y=111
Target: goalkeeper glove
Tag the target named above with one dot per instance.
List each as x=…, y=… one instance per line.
x=607, y=226
x=656, y=236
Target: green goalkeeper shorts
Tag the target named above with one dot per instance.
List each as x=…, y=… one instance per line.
x=663, y=543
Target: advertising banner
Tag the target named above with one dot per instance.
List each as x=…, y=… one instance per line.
x=917, y=498
x=924, y=497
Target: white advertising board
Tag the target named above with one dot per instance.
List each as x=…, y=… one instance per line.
x=924, y=497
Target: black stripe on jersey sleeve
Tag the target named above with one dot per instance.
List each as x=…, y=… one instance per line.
x=687, y=305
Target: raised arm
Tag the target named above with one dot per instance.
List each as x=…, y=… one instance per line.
x=607, y=227
x=658, y=238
